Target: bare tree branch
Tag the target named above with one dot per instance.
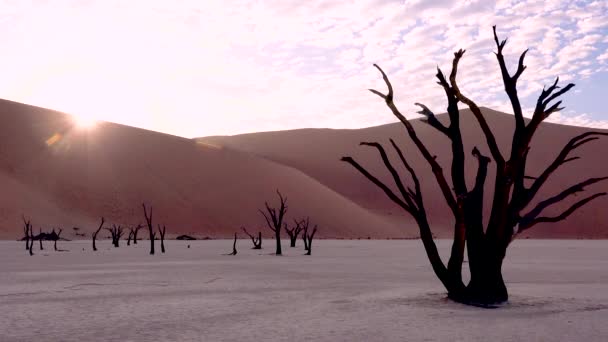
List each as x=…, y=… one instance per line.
x=490, y=139
x=562, y=216
x=437, y=170
x=431, y=119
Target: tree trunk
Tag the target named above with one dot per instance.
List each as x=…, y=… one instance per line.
x=293, y=240
x=259, y=244
x=486, y=287
x=278, y=238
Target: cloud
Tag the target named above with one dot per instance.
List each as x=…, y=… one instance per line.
x=197, y=68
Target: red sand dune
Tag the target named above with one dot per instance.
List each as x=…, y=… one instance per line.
x=316, y=152
x=194, y=188
x=211, y=186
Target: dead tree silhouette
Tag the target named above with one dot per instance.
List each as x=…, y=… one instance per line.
x=274, y=220
x=116, y=231
x=162, y=237
x=26, y=230
x=150, y=227
x=234, y=252
x=55, y=236
x=308, y=238
x=135, y=231
x=295, y=231
x=40, y=237
x=486, y=248
x=257, y=242
x=97, y=232
x=131, y=232
x=29, y=235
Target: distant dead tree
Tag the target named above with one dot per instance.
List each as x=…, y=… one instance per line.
x=31, y=240
x=40, y=237
x=486, y=246
x=116, y=231
x=97, y=232
x=234, y=252
x=308, y=238
x=135, y=231
x=26, y=230
x=162, y=237
x=54, y=236
x=131, y=232
x=150, y=228
x=274, y=219
x=296, y=230
x=29, y=235
x=257, y=242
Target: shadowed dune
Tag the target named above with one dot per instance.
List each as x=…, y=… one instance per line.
x=58, y=175
x=316, y=152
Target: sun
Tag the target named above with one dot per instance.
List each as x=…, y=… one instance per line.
x=84, y=122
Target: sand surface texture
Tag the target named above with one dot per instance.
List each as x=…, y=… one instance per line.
x=345, y=291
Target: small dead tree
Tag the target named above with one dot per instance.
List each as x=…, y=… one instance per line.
x=26, y=231
x=296, y=230
x=486, y=245
x=31, y=240
x=40, y=237
x=55, y=237
x=116, y=231
x=234, y=252
x=257, y=242
x=97, y=232
x=131, y=232
x=308, y=238
x=162, y=237
x=150, y=227
x=274, y=220
x=29, y=235
x=135, y=231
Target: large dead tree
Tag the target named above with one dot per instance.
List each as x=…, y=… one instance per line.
x=97, y=232
x=161, y=232
x=295, y=231
x=257, y=242
x=486, y=246
x=150, y=227
x=274, y=219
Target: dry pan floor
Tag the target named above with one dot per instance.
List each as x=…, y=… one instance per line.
x=345, y=291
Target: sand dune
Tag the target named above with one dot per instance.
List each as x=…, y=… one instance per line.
x=316, y=152
x=60, y=176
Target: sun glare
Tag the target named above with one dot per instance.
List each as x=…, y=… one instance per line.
x=84, y=121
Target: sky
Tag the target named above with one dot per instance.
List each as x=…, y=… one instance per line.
x=198, y=68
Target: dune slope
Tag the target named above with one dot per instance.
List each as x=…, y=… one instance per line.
x=61, y=176
x=317, y=152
